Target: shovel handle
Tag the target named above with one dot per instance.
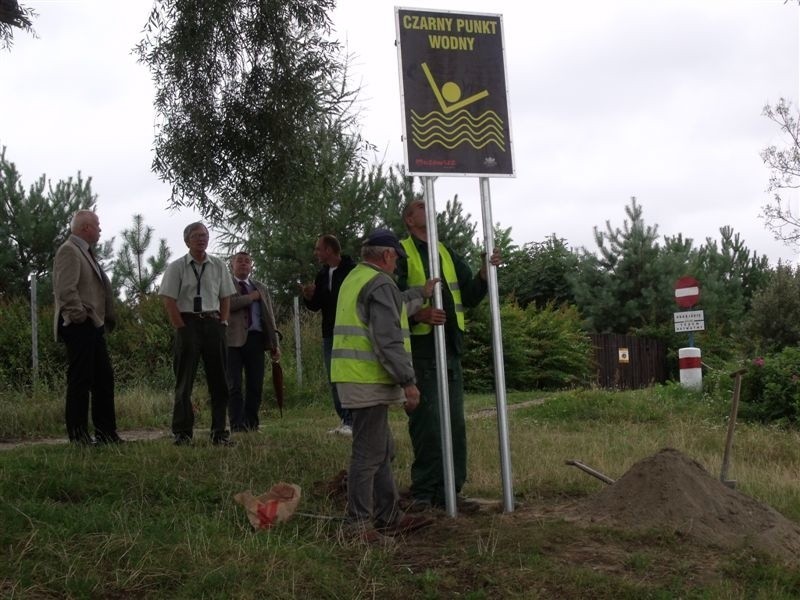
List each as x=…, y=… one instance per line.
x=726, y=457
x=590, y=471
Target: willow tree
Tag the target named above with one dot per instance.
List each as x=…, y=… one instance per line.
x=254, y=114
x=13, y=15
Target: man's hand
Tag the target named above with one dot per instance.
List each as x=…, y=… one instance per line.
x=430, y=285
x=307, y=290
x=495, y=259
x=275, y=354
x=255, y=295
x=412, y=398
x=430, y=315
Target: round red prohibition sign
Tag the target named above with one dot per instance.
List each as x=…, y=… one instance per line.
x=687, y=292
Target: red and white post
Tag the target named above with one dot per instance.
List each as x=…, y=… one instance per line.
x=691, y=370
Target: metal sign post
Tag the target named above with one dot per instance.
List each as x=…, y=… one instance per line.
x=456, y=122
x=497, y=346
x=34, y=332
x=441, y=352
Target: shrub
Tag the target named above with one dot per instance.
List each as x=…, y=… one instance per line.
x=771, y=387
x=16, y=370
x=141, y=351
x=774, y=320
x=542, y=348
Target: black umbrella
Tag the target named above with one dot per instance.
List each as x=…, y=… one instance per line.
x=277, y=383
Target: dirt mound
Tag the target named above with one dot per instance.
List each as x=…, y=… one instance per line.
x=671, y=491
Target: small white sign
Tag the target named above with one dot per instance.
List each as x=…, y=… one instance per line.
x=689, y=315
x=689, y=320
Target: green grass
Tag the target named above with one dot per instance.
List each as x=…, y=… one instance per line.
x=149, y=520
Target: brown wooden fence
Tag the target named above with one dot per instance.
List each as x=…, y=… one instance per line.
x=628, y=362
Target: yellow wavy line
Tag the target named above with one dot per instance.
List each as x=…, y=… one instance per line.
x=458, y=123
x=455, y=143
x=476, y=133
x=465, y=113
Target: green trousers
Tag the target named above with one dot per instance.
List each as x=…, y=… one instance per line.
x=427, y=470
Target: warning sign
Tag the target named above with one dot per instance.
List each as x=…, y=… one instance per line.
x=453, y=90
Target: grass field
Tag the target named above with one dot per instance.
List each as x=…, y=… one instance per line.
x=150, y=520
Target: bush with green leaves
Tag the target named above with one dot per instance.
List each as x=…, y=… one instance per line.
x=542, y=348
x=774, y=320
x=771, y=387
x=141, y=350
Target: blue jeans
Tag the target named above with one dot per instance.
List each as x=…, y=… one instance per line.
x=344, y=414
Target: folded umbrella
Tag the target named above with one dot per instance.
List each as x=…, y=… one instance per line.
x=277, y=383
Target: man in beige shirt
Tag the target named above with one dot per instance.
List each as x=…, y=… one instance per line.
x=197, y=290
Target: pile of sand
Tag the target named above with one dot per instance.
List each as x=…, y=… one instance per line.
x=671, y=491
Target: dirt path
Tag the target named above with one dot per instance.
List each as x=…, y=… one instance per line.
x=135, y=435
x=486, y=413
x=132, y=435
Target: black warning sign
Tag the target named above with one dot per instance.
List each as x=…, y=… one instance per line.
x=453, y=89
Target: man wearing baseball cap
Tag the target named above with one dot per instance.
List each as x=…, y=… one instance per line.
x=372, y=369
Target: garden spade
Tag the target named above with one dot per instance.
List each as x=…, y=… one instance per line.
x=726, y=458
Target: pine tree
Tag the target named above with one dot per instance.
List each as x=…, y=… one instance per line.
x=33, y=225
x=131, y=273
x=627, y=286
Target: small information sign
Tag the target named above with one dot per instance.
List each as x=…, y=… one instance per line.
x=689, y=320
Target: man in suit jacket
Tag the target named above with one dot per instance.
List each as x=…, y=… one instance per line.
x=251, y=331
x=84, y=311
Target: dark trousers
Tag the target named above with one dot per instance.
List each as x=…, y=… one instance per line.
x=200, y=338
x=89, y=374
x=243, y=410
x=344, y=413
x=427, y=470
x=371, y=490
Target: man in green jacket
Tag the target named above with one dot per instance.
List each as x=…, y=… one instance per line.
x=460, y=289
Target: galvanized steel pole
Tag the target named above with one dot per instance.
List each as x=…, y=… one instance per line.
x=34, y=332
x=441, y=352
x=497, y=347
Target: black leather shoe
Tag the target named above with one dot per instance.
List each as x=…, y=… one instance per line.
x=182, y=440
x=226, y=442
x=102, y=440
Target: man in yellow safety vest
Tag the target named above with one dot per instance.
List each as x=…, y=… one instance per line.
x=460, y=289
x=371, y=367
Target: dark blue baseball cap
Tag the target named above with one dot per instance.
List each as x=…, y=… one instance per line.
x=386, y=238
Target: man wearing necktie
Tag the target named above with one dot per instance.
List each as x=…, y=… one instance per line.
x=197, y=290
x=251, y=332
x=84, y=311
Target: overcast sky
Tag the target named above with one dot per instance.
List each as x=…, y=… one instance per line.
x=608, y=99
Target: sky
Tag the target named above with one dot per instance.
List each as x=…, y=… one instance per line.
x=608, y=99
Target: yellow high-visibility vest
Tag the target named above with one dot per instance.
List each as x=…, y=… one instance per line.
x=416, y=277
x=353, y=359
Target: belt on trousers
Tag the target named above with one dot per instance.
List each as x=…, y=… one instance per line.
x=209, y=314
